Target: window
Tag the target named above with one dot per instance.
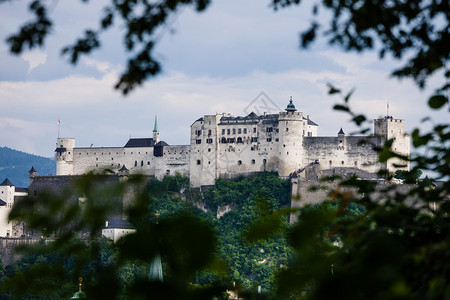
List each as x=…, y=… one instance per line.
x=230, y=140
x=112, y=158
x=209, y=149
x=135, y=163
x=239, y=131
x=198, y=141
x=148, y=163
x=269, y=129
x=198, y=161
x=239, y=162
x=245, y=130
x=254, y=130
x=342, y=162
x=287, y=129
x=142, y=163
x=209, y=141
x=239, y=140
x=224, y=140
x=264, y=161
x=223, y=131
x=253, y=161
x=228, y=131
x=209, y=132
x=331, y=162
x=254, y=139
x=96, y=158
x=234, y=130
x=269, y=139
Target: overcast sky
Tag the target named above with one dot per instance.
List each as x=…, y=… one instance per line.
x=213, y=62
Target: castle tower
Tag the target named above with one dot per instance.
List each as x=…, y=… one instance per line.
x=7, y=191
x=64, y=156
x=204, y=150
x=32, y=174
x=155, y=132
x=292, y=129
x=394, y=129
x=341, y=140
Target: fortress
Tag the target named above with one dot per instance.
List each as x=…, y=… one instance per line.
x=221, y=146
x=224, y=146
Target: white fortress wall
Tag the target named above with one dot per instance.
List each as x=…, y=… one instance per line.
x=175, y=159
x=342, y=152
x=137, y=160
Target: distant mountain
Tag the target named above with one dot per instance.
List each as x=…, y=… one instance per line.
x=15, y=165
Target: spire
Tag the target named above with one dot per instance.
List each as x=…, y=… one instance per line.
x=290, y=106
x=79, y=294
x=341, y=131
x=155, y=128
x=155, y=132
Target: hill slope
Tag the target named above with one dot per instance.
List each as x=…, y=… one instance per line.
x=15, y=165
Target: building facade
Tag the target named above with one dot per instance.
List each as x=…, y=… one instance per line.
x=8, y=196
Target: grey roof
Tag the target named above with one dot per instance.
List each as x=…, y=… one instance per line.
x=162, y=143
x=2, y=203
x=123, y=169
x=341, y=131
x=310, y=122
x=20, y=189
x=6, y=182
x=251, y=118
x=32, y=170
x=60, y=149
x=140, y=142
x=118, y=223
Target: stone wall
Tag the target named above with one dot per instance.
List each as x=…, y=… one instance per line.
x=7, y=246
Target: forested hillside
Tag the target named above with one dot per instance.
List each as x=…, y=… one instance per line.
x=15, y=165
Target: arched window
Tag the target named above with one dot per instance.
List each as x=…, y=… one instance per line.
x=198, y=161
x=142, y=163
x=135, y=163
x=253, y=161
x=239, y=140
x=239, y=162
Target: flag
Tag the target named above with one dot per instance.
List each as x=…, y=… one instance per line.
x=59, y=122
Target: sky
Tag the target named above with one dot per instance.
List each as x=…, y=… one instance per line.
x=235, y=57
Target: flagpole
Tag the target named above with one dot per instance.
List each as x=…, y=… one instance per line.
x=59, y=123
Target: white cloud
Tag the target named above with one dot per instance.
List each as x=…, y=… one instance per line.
x=34, y=58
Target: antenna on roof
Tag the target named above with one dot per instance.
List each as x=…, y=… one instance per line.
x=59, y=123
